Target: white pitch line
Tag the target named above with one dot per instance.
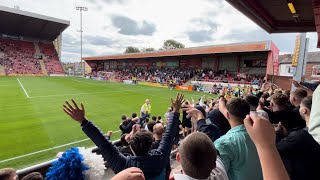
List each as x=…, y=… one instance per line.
x=24, y=90
x=74, y=94
x=97, y=84
x=45, y=150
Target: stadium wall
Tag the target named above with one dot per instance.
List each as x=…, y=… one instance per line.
x=232, y=62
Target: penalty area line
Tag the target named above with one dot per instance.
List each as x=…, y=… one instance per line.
x=24, y=90
x=45, y=150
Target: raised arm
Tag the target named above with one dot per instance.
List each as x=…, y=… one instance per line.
x=171, y=129
x=211, y=130
x=262, y=134
x=109, y=152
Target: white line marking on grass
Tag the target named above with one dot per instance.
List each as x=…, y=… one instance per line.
x=74, y=94
x=24, y=90
x=45, y=150
x=97, y=84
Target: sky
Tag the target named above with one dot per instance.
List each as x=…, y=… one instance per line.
x=109, y=26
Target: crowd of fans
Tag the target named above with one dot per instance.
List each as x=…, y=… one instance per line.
x=156, y=75
x=52, y=62
x=225, y=76
x=19, y=57
x=179, y=76
x=272, y=135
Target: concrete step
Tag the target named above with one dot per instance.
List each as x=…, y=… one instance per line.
x=43, y=67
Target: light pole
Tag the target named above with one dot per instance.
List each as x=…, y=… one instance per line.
x=81, y=8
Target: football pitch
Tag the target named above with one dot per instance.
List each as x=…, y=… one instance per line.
x=34, y=128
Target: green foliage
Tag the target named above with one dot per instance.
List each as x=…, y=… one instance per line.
x=172, y=44
x=131, y=49
x=148, y=49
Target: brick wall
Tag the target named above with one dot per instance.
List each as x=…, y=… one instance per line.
x=308, y=74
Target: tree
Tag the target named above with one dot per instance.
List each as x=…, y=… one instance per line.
x=131, y=49
x=172, y=44
x=147, y=49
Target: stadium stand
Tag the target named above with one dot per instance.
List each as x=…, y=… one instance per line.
x=18, y=57
x=29, y=48
x=51, y=59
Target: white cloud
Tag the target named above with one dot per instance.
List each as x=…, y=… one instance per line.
x=192, y=22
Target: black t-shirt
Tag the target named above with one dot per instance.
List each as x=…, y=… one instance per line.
x=291, y=120
x=186, y=122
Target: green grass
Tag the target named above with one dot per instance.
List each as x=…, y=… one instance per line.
x=32, y=124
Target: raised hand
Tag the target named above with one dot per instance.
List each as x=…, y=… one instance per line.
x=176, y=104
x=260, y=130
x=194, y=113
x=109, y=133
x=75, y=112
x=132, y=173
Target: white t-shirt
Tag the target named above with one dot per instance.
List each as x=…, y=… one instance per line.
x=219, y=173
x=314, y=124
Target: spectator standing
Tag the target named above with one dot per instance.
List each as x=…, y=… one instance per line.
x=238, y=152
x=299, y=151
x=198, y=158
x=152, y=163
x=145, y=110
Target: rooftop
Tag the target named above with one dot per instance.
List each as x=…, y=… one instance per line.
x=215, y=49
x=17, y=22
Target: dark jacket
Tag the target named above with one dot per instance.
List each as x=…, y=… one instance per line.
x=218, y=119
x=300, y=154
x=210, y=129
x=153, y=166
x=290, y=120
x=126, y=126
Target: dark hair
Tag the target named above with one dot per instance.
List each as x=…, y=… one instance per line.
x=259, y=94
x=238, y=108
x=150, y=126
x=141, y=142
x=265, y=95
x=159, y=117
x=198, y=155
x=287, y=92
x=33, y=176
x=300, y=93
x=252, y=100
x=280, y=99
x=307, y=102
x=134, y=115
x=205, y=102
x=154, y=118
x=5, y=173
x=123, y=140
x=124, y=117
x=146, y=120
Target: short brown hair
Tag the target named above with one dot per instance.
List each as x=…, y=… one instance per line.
x=158, y=129
x=280, y=99
x=198, y=155
x=299, y=93
x=307, y=102
x=141, y=142
x=6, y=173
x=33, y=176
x=238, y=108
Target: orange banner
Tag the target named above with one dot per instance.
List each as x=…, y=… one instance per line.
x=184, y=88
